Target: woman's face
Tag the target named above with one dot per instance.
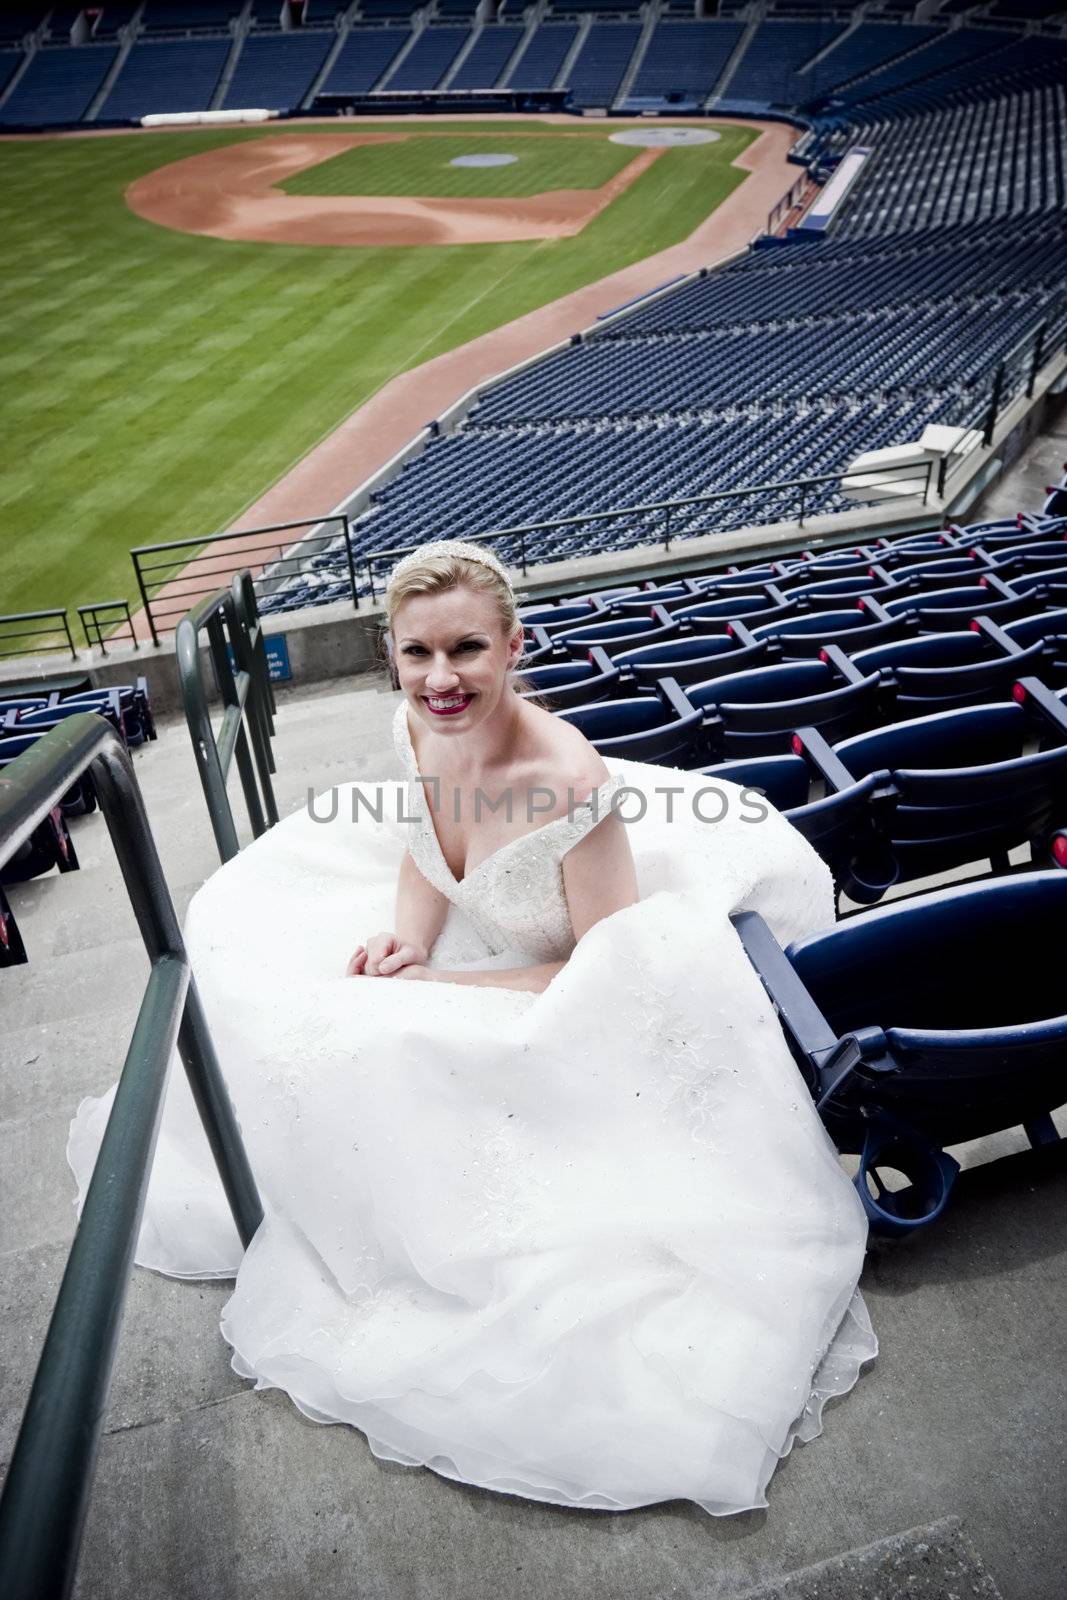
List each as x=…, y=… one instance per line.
x=452, y=656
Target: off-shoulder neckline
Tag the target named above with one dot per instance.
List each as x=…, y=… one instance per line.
x=403, y=728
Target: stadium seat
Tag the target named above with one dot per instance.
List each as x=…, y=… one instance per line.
x=644, y=729
x=691, y=659
x=572, y=683
x=969, y=786
x=757, y=712
x=848, y=827
x=907, y=1048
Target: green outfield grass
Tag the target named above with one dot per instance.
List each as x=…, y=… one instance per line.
x=421, y=165
x=153, y=383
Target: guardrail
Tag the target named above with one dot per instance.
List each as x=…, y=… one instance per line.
x=40, y=635
x=191, y=569
x=235, y=644
x=46, y=1494
x=117, y=627
x=675, y=519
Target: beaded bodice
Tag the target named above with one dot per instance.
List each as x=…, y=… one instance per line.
x=514, y=898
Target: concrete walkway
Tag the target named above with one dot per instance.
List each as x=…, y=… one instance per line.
x=208, y=1491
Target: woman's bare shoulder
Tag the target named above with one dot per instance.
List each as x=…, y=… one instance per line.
x=564, y=755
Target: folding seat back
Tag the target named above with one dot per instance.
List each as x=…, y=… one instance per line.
x=1044, y=625
x=795, y=680
x=17, y=707
x=564, y=615
x=690, y=659
x=619, y=634
x=968, y=787
x=671, y=596
x=560, y=619
x=807, y=634
x=1040, y=577
x=844, y=828
x=639, y=730
x=716, y=613
x=961, y=994
x=571, y=683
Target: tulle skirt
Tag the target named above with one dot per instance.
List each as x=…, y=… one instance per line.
x=592, y=1246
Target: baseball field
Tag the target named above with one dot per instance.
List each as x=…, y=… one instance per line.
x=161, y=368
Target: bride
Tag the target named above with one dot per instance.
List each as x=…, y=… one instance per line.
x=562, y=1222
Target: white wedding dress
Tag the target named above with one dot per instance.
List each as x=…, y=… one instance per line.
x=591, y=1246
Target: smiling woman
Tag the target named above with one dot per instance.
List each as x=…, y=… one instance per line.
x=563, y=1221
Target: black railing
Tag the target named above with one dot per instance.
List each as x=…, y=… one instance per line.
x=172, y=575
x=668, y=520
x=41, y=637
x=235, y=646
x=46, y=1493
x=101, y=621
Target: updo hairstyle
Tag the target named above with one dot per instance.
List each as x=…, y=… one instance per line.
x=445, y=564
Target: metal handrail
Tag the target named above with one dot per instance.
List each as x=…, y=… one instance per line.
x=920, y=474
x=38, y=633
x=46, y=1494
x=277, y=559
x=244, y=687
x=93, y=628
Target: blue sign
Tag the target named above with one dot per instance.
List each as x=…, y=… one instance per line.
x=277, y=648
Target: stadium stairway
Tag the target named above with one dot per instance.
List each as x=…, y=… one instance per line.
x=206, y=1488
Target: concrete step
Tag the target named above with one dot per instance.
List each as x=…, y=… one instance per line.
x=926, y=1563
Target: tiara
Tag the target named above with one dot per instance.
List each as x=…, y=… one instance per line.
x=449, y=547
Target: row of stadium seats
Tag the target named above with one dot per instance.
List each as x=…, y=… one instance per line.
x=905, y=711
x=879, y=71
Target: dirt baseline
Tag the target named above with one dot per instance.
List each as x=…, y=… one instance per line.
x=231, y=194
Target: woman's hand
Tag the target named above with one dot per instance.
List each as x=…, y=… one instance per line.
x=385, y=956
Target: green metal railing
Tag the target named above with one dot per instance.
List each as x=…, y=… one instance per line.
x=172, y=574
x=43, y=636
x=668, y=520
x=46, y=1494
x=235, y=643
x=107, y=619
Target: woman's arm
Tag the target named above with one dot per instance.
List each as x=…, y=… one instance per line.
x=420, y=908
x=420, y=915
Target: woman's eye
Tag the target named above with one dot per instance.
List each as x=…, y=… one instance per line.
x=470, y=644
x=414, y=650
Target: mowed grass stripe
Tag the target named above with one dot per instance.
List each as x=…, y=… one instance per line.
x=422, y=166
x=156, y=383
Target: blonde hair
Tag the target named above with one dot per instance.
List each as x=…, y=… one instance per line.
x=445, y=564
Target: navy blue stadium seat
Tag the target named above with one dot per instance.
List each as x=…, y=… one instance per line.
x=757, y=712
x=969, y=785
x=691, y=659
x=925, y=1024
x=572, y=683
x=645, y=729
x=848, y=827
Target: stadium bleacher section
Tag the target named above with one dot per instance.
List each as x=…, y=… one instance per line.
x=542, y=60
x=59, y=85
x=783, y=363
x=365, y=56
x=167, y=75
x=429, y=59
x=276, y=70
x=684, y=60
x=490, y=54
x=601, y=63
